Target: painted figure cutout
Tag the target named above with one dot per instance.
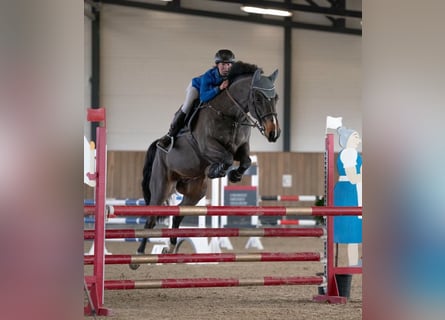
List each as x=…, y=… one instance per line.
x=348, y=192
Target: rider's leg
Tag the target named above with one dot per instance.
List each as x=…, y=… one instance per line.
x=178, y=120
x=175, y=126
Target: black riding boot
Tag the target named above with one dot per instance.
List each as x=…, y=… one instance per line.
x=166, y=142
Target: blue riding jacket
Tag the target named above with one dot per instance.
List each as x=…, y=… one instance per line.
x=207, y=84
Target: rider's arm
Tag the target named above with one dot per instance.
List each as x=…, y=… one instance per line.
x=209, y=88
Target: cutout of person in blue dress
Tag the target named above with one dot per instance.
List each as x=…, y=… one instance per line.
x=348, y=192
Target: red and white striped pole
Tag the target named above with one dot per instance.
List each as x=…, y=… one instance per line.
x=210, y=282
x=227, y=210
x=207, y=257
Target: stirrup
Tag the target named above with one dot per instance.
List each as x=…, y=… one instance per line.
x=163, y=148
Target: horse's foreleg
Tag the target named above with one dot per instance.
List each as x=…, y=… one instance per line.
x=235, y=175
x=218, y=170
x=149, y=224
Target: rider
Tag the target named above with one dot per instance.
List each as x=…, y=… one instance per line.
x=205, y=87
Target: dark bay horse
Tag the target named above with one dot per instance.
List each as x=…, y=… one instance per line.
x=217, y=136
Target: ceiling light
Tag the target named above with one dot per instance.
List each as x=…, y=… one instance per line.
x=273, y=12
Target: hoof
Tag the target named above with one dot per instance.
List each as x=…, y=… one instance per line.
x=134, y=266
x=170, y=249
x=214, y=176
x=234, y=176
x=216, y=171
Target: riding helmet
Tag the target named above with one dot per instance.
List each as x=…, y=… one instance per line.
x=224, y=55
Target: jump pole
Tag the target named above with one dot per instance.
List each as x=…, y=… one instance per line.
x=227, y=210
x=208, y=232
x=300, y=222
x=296, y=198
x=210, y=282
x=293, y=198
x=208, y=257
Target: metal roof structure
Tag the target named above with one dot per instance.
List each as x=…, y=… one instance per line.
x=339, y=16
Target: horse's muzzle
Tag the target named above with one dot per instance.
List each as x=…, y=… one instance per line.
x=274, y=135
x=272, y=129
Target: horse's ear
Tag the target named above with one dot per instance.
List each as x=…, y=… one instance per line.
x=273, y=76
x=256, y=76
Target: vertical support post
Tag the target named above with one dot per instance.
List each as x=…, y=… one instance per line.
x=332, y=289
x=97, y=280
x=287, y=128
x=331, y=294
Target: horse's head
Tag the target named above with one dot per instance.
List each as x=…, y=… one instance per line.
x=262, y=104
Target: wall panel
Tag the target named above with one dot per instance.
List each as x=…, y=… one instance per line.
x=124, y=173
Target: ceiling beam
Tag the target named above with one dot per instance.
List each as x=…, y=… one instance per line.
x=312, y=7
x=243, y=18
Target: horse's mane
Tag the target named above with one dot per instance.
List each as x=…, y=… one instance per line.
x=240, y=68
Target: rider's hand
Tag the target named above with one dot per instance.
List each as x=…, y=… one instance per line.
x=224, y=85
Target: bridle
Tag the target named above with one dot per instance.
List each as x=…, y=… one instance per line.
x=252, y=121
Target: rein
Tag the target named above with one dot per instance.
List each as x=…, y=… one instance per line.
x=252, y=122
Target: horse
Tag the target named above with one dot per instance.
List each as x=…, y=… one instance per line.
x=216, y=136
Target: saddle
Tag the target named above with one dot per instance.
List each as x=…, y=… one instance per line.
x=190, y=121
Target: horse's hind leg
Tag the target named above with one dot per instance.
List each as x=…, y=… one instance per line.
x=174, y=241
x=192, y=191
x=149, y=224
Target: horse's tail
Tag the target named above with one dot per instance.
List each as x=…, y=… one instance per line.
x=146, y=172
